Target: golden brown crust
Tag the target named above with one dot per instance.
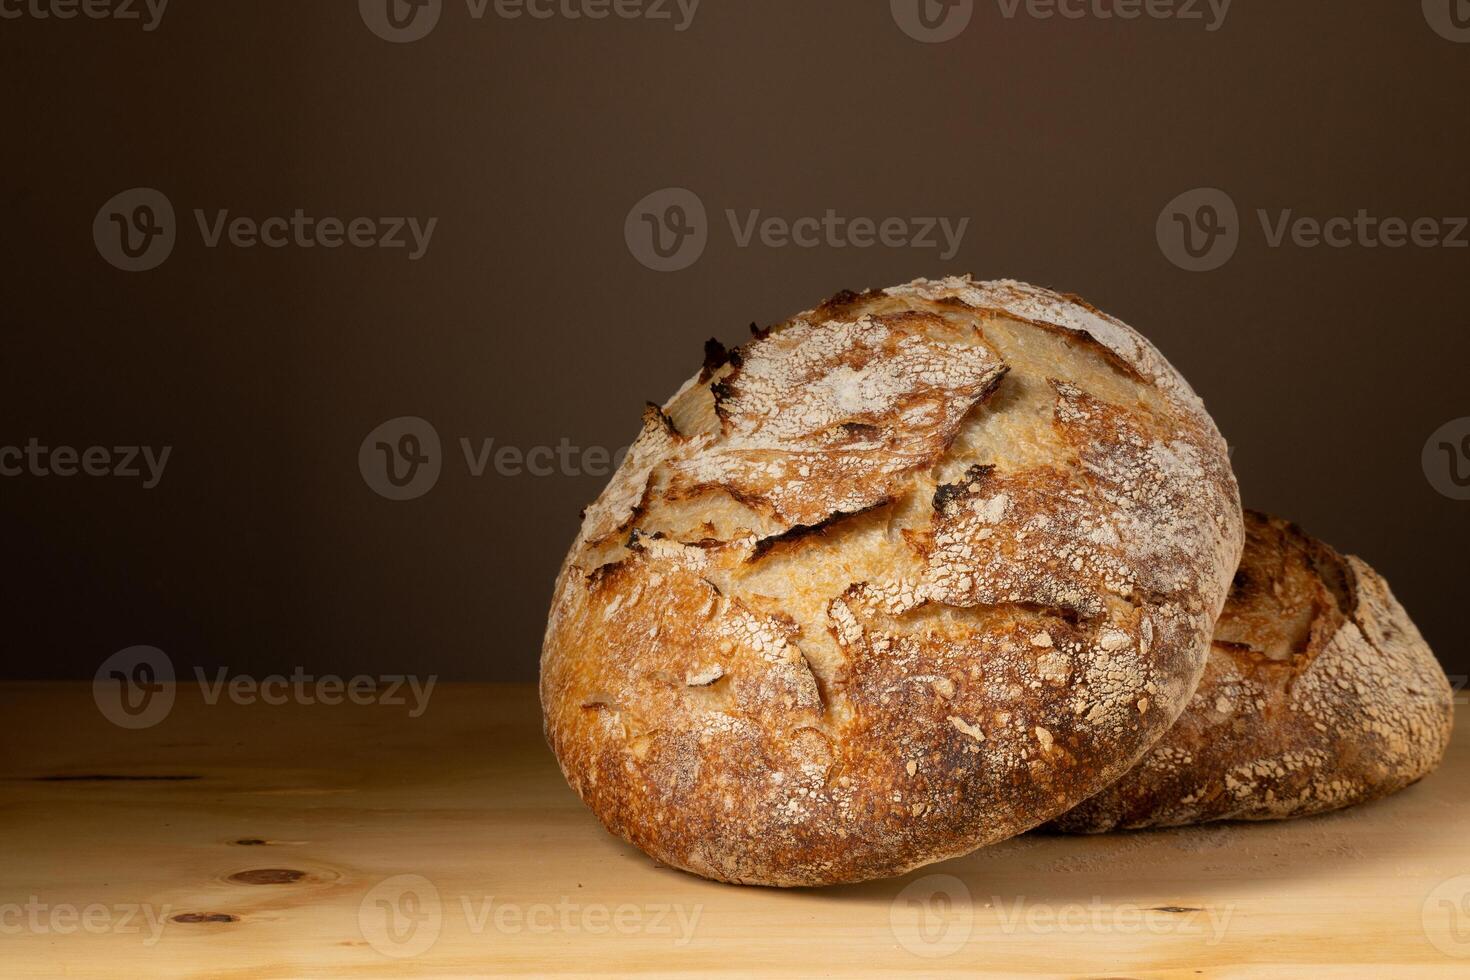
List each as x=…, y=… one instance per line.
x=906, y=575
x=1319, y=693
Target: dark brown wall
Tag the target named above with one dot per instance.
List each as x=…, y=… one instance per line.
x=529, y=320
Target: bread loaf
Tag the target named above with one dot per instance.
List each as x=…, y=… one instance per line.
x=908, y=574
x=1319, y=693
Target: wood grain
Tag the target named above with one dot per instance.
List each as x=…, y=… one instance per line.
x=260, y=841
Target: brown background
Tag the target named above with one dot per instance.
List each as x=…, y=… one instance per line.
x=528, y=321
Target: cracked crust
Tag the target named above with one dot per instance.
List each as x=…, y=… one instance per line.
x=906, y=575
x=1319, y=693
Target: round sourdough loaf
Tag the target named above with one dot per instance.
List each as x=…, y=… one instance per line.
x=1319, y=693
x=908, y=574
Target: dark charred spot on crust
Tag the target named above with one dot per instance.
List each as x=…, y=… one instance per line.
x=722, y=393
x=948, y=493
x=801, y=531
x=860, y=431
x=637, y=537
x=1235, y=647
x=192, y=917
x=843, y=297
x=716, y=357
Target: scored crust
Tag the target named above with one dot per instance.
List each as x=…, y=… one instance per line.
x=1319, y=693
x=906, y=575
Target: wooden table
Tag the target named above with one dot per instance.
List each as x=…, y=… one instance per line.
x=254, y=840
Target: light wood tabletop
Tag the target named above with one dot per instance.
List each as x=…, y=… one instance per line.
x=435, y=838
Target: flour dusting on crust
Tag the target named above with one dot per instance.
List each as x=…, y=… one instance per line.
x=908, y=574
x=1319, y=693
